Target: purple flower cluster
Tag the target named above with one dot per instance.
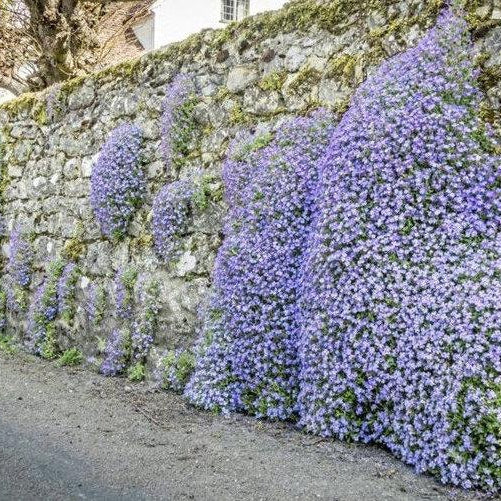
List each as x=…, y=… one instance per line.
x=250, y=361
x=118, y=184
x=20, y=259
x=171, y=215
x=125, y=281
x=66, y=290
x=19, y=271
x=116, y=354
x=400, y=301
x=363, y=291
x=96, y=304
x=177, y=121
x=145, y=325
x=41, y=336
x=174, y=369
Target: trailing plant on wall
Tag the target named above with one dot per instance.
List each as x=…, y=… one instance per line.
x=178, y=123
x=251, y=362
x=3, y=308
x=145, y=325
x=125, y=281
x=96, y=304
x=400, y=308
x=174, y=369
x=130, y=344
x=66, y=291
x=19, y=270
x=118, y=185
x=116, y=354
x=172, y=208
x=362, y=292
x=43, y=311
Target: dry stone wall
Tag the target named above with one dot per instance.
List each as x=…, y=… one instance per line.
x=249, y=76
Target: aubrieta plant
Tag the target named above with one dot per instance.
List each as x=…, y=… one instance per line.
x=174, y=369
x=177, y=123
x=125, y=281
x=118, y=184
x=401, y=288
x=43, y=312
x=172, y=208
x=66, y=291
x=3, y=309
x=251, y=361
x=145, y=325
x=116, y=354
x=19, y=270
x=96, y=304
x=365, y=294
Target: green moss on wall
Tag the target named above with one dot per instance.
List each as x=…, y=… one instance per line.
x=342, y=67
x=273, y=82
x=305, y=79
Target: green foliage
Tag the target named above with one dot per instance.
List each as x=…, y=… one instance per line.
x=209, y=189
x=259, y=143
x=273, y=81
x=7, y=345
x=137, y=372
x=70, y=357
x=184, y=132
x=176, y=369
x=304, y=80
x=49, y=347
x=43, y=323
x=238, y=116
x=342, y=67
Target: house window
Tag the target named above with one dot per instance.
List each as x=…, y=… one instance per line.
x=234, y=10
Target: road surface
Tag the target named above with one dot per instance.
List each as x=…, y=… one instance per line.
x=70, y=434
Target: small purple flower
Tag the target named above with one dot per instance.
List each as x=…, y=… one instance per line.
x=118, y=185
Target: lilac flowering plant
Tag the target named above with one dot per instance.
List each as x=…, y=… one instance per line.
x=125, y=281
x=364, y=294
x=118, y=184
x=116, y=354
x=66, y=291
x=247, y=358
x=177, y=123
x=19, y=270
x=172, y=209
x=400, y=292
x=174, y=369
x=145, y=325
x=96, y=304
x=44, y=309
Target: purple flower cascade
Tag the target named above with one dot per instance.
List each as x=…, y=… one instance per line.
x=118, y=184
x=369, y=302
x=171, y=213
x=19, y=270
x=66, y=290
x=250, y=362
x=144, y=326
x=116, y=354
x=178, y=132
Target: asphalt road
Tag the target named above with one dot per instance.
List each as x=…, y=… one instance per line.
x=70, y=434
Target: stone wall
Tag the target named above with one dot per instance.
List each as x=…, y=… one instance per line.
x=249, y=76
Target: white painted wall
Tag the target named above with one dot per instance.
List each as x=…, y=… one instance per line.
x=176, y=19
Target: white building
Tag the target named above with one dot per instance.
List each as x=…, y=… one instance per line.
x=173, y=20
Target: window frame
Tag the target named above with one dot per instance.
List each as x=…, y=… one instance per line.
x=234, y=10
